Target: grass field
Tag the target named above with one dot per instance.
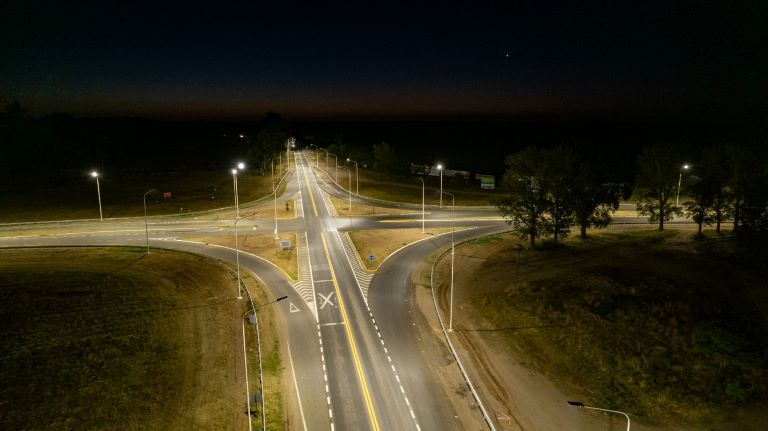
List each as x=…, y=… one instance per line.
x=654, y=323
x=111, y=338
x=73, y=195
x=380, y=243
x=265, y=246
x=407, y=188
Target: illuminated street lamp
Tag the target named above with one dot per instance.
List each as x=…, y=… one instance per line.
x=240, y=166
x=274, y=193
x=581, y=405
x=357, y=178
x=146, y=229
x=453, y=224
x=95, y=174
x=440, y=168
x=679, y=181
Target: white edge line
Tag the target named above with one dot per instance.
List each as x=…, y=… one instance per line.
x=453, y=350
x=296, y=385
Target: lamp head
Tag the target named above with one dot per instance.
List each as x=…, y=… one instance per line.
x=241, y=166
x=234, y=171
x=686, y=166
x=94, y=174
x=440, y=166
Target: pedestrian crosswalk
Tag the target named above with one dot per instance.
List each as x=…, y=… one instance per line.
x=304, y=285
x=361, y=274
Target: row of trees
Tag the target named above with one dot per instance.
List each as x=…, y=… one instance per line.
x=723, y=183
x=549, y=191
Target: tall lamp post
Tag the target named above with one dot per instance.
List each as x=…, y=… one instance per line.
x=679, y=182
x=146, y=229
x=245, y=360
x=422, y=204
x=440, y=168
x=349, y=189
x=240, y=166
x=237, y=258
x=336, y=161
x=95, y=174
x=581, y=405
x=453, y=224
x=357, y=178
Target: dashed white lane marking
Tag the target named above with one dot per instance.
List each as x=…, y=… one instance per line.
x=394, y=370
x=325, y=376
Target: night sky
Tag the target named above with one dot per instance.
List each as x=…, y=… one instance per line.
x=229, y=61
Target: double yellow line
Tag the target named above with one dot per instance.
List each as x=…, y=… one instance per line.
x=352, y=344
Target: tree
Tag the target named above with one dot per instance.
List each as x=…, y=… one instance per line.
x=384, y=158
x=657, y=181
x=558, y=170
x=269, y=141
x=749, y=185
x=526, y=204
x=595, y=198
x=712, y=196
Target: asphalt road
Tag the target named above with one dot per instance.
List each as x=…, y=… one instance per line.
x=356, y=359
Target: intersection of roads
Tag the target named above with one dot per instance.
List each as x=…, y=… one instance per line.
x=357, y=360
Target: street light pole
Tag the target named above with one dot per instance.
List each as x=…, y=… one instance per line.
x=349, y=189
x=422, y=204
x=234, y=182
x=237, y=257
x=679, y=182
x=440, y=168
x=98, y=193
x=245, y=360
x=357, y=178
x=453, y=224
x=146, y=229
x=581, y=405
x=336, y=161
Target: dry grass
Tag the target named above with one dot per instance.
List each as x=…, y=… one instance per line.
x=407, y=188
x=72, y=195
x=631, y=317
x=380, y=243
x=342, y=208
x=111, y=338
x=262, y=245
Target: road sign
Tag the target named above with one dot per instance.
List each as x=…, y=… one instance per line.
x=370, y=258
x=285, y=244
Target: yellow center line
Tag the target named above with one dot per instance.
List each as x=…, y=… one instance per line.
x=311, y=196
x=352, y=344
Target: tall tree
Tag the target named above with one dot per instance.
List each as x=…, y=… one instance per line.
x=657, y=181
x=526, y=204
x=384, y=158
x=710, y=190
x=558, y=170
x=595, y=197
x=749, y=184
x=269, y=141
